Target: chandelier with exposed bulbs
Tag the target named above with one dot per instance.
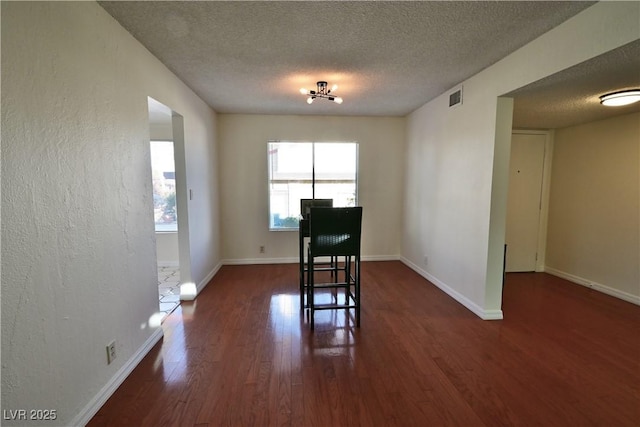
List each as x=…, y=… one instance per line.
x=322, y=92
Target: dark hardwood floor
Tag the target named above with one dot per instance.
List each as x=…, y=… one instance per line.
x=242, y=354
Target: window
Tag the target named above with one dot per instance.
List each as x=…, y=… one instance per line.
x=163, y=173
x=309, y=170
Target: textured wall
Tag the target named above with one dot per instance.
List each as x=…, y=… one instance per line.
x=78, y=242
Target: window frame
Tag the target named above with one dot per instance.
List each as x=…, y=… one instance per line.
x=313, y=180
x=171, y=227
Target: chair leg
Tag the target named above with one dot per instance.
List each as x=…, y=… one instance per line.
x=352, y=280
x=345, y=270
x=311, y=296
x=301, y=269
x=301, y=285
x=357, y=289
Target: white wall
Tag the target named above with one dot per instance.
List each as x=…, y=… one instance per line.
x=457, y=159
x=161, y=131
x=78, y=253
x=167, y=249
x=594, y=206
x=243, y=167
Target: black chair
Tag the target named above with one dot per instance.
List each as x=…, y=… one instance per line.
x=335, y=232
x=303, y=232
x=307, y=204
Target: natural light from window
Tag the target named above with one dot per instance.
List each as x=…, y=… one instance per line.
x=163, y=173
x=309, y=170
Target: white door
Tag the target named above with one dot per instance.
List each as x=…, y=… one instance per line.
x=524, y=201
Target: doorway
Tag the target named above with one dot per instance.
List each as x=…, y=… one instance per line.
x=526, y=201
x=165, y=206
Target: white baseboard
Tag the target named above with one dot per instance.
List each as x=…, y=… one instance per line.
x=112, y=385
x=248, y=261
x=189, y=291
x=473, y=307
x=208, y=278
x=294, y=260
x=381, y=258
x=634, y=299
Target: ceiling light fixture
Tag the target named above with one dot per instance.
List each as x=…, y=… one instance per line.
x=323, y=92
x=618, y=99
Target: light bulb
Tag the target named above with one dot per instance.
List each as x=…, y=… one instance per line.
x=338, y=100
x=304, y=91
x=334, y=88
x=309, y=100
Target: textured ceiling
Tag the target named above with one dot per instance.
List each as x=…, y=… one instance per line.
x=388, y=58
x=572, y=96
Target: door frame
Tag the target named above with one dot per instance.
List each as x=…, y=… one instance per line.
x=544, y=194
x=183, y=195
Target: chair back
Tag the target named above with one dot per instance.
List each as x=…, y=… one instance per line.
x=307, y=204
x=335, y=231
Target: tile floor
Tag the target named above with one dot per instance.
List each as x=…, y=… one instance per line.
x=169, y=288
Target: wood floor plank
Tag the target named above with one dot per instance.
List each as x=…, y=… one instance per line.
x=242, y=354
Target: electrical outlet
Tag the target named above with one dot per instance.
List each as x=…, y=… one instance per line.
x=261, y=249
x=426, y=260
x=111, y=352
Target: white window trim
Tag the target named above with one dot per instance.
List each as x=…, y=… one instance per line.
x=269, y=181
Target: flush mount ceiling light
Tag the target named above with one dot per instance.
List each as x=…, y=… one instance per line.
x=618, y=99
x=323, y=92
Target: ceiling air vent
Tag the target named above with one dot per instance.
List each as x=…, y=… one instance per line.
x=455, y=98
